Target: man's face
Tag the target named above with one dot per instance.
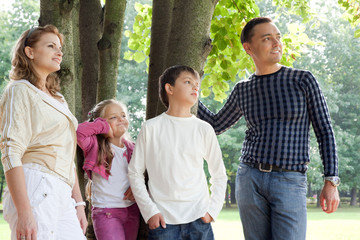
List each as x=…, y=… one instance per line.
x=265, y=46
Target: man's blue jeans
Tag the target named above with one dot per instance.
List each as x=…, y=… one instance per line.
x=196, y=230
x=272, y=205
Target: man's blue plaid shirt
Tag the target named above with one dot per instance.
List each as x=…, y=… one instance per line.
x=278, y=109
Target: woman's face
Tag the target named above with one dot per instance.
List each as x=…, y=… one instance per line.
x=46, y=54
x=117, y=119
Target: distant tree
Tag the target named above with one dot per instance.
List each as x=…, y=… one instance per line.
x=12, y=25
x=335, y=64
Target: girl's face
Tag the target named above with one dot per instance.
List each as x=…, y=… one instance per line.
x=46, y=54
x=117, y=119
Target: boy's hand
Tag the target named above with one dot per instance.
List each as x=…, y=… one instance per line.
x=128, y=195
x=156, y=220
x=207, y=218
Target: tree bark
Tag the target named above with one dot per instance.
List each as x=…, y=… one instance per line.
x=59, y=13
x=353, y=194
x=160, y=30
x=2, y=185
x=90, y=25
x=179, y=36
x=227, y=202
x=77, y=59
x=109, y=48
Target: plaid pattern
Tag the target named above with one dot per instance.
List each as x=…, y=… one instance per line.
x=278, y=109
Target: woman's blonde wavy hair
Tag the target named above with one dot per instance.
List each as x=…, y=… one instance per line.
x=22, y=66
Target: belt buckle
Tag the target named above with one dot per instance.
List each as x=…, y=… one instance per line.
x=264, y=170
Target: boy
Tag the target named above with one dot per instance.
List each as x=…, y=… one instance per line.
x=172, y=148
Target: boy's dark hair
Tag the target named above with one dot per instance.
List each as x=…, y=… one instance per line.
x=247, y=32
x=169, y=76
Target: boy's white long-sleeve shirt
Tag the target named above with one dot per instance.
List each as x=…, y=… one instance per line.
x=172, y=150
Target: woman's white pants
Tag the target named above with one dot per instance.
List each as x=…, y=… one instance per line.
x=52, y=206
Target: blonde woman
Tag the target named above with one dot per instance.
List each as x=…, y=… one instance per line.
x=38, y=142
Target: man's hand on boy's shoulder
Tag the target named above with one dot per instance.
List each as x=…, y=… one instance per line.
x=157, y=220
x=207, y=218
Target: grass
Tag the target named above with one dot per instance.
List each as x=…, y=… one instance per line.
x=344, y=224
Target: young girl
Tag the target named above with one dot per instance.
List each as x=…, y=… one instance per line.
x=107, y=152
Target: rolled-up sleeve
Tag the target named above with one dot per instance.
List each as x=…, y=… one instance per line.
x=16, y=130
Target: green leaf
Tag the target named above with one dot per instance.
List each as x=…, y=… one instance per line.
x=224, y=64
x=139, y=57
x=357, y=33
x=128, y=55
x=225, y=76
x=127, y=33
x=205, y=92
x=222, y=44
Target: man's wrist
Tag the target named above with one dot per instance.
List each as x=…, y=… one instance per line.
x=334, y=180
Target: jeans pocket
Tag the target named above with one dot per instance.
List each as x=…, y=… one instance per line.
x=243, y=169
x=202, y=221
x=296, y=178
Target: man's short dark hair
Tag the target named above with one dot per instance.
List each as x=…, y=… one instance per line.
x=169, y=76
x=247, y=33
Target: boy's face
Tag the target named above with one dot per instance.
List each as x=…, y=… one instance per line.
x=265, y=46
x=185, y=92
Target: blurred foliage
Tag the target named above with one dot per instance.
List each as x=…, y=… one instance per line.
x=352, y=13
x=13, y=22
x=227, y=60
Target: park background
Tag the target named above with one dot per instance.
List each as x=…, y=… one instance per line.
x=318, y=35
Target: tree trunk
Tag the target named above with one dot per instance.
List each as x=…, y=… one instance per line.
x=160, y=30
x=227, y=202
x=318, y=198
x=109, y=48
x=90, y=24
x=353, y=194
x=77, y=60
x=179, y=35
x=2, y=185
x=59, y=13
x=232, y=192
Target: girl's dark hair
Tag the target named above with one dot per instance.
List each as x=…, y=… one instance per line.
x=247, y=32
x=105, y=153
x=169, y=76
x=22, y=67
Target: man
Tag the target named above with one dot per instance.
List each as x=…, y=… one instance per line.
x=278, y=104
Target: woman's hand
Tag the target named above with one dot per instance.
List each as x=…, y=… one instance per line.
x=26, y=225
x=80, y=212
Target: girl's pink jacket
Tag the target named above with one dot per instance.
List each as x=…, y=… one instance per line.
x=87, y=141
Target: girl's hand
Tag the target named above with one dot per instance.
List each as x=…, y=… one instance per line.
x=207, y=218
x=110, y=134
x=128, y=195
x=26, y=226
